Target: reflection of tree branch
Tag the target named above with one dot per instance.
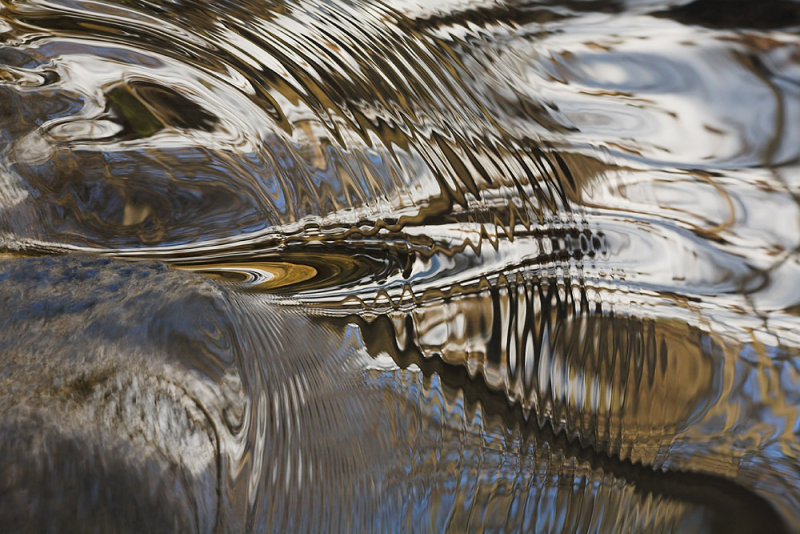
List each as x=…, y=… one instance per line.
x=757, y=67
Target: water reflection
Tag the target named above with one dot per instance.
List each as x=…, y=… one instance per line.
x=468, y=266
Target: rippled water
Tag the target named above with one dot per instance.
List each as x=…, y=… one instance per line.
x=322, y=265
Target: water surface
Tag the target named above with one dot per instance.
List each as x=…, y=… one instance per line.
x=484, y=266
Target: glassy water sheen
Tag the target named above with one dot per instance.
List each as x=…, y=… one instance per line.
x=408, y=266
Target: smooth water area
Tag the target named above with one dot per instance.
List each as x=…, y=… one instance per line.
x=408, y=266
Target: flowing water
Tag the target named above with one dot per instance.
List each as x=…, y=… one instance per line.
x=330, y=265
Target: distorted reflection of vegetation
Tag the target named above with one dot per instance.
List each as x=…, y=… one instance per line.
x=407, y=266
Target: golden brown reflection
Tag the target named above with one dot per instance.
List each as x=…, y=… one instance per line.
x=257, y=274
x=296, y=271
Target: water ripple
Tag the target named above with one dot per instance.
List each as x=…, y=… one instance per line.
x=470, y=265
